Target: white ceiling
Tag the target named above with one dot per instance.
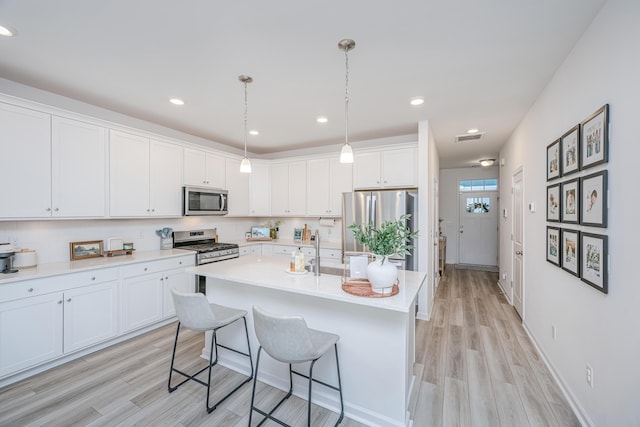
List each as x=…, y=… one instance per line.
x=477, y=63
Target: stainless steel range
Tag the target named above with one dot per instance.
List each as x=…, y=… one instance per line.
x=204, y=243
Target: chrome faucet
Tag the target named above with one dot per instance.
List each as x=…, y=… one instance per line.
x=316, y=265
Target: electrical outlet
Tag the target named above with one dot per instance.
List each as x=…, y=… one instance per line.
x=590, y=376
x=553, y=332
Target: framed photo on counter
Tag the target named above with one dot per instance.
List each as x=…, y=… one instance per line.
x=84, y=250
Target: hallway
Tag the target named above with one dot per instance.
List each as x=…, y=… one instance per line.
x=479, y=367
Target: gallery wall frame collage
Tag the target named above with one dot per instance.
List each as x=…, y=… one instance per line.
x=577, y=200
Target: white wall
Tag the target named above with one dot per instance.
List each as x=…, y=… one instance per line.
x=449, y=179
x=592, y=328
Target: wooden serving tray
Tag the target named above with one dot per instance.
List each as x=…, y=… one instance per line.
x=362, y=288
x=259, y=239
x=119, y=252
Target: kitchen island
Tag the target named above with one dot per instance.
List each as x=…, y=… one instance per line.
x=377, y=335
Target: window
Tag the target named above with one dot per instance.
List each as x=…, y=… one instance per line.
x=478, y=205
x=479, y=185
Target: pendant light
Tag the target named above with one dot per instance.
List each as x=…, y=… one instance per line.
x=346, y=154
x=245, y=165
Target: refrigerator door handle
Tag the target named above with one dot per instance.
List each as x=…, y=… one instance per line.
x=374, y=201
x=367, y=218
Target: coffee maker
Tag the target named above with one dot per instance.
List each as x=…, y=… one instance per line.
x=7, y=251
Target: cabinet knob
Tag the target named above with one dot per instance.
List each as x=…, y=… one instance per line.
x=166, y=277
x=30, y=290
x=153, y=210
x=148, y=210
x=93, y=278
x=56, y=209
x=145, y=269
x=68, y=299
x=48, y=209
x=180, y=263
x=60, y=302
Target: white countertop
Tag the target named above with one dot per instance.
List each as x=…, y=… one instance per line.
x=329, y=244
x=271, y=272
x=66, y=267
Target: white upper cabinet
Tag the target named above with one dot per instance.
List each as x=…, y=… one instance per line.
x=202, y=169
x=58, y=165
x=260, y=189
x=25, y=137
x=327, y=179
x=385, y=169
x=78, y=169
x=288, y=188
x=238, y=188
x=145, y=177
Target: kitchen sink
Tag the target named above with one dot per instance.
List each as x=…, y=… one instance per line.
x=331, y=270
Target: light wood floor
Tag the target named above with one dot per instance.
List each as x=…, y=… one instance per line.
x=477, y=366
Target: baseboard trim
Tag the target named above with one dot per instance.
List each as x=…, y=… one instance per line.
x=574, y=403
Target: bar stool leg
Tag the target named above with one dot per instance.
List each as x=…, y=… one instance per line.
x=313, y=362
x=173, y=358
x=335, y=346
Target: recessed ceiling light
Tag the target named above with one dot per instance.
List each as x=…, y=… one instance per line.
x=176, y=101
x=473, y=130
x=254, y=132
x=418, y=100
x=7, y=32
x=322, y=119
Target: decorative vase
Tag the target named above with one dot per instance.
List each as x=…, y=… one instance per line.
x=382, y=275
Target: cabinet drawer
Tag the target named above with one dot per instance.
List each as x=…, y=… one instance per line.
x=46, y=285
x=283, y=250
x=309, y=252
x=334, y=254
x=156, y=266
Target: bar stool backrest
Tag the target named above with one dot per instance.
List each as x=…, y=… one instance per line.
x=193, y=311
x=285, y=338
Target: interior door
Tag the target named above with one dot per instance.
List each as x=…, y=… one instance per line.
x=478, y=234
x=518, y=243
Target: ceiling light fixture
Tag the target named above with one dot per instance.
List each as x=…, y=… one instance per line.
x=473, y=130
x=245, y=165
x=254, y=132
x=418, y=100
x=176, y=101
x=346, y=154
x=487, y=162
x=322, y=119
x=7, y=32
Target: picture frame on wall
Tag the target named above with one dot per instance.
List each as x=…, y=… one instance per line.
x=553, y=246
x=593, y=198
x=570, y=247
x=594, y=261
x=594, y=137
x=553, y=203
x=570, y=200
x=570, y=149
x=553, y=160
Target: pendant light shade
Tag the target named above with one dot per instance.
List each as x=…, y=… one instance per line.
x=346, y=154
x=245, y=165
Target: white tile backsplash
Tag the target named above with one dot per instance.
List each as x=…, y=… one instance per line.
x=51, y=238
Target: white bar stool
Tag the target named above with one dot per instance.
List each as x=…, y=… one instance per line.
x=287, y=339
x=196, y=313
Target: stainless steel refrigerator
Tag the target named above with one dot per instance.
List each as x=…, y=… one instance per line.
x=360, y=207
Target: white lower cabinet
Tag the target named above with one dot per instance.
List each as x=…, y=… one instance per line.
x=90, y=315
x=145, y=297
x=40, y=328
x=251, y=250
x=179, y=280
x=30, y=332
x=47, y=318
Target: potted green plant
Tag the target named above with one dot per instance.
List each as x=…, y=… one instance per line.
x=392, y=237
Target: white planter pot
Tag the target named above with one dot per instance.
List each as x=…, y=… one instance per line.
x=382, y=275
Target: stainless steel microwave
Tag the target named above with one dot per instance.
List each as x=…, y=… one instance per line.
x=204, y=201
